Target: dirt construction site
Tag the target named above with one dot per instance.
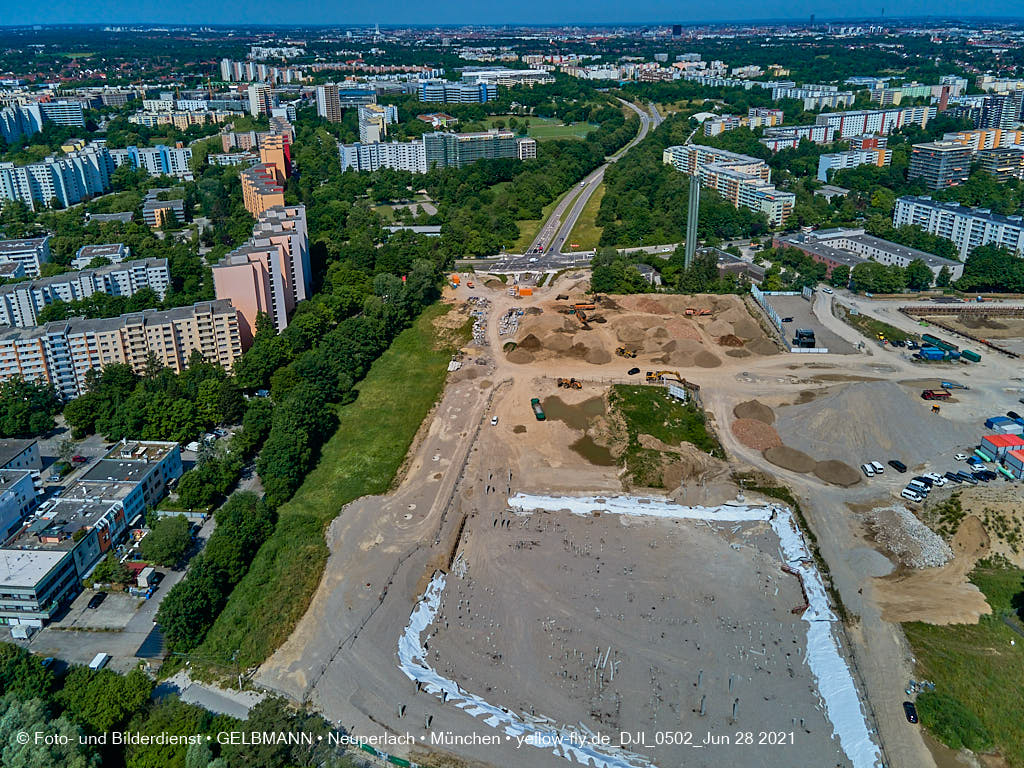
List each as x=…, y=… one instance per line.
x=458, y=625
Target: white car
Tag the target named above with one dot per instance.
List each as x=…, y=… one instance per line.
x=879, y=469
x=912, y=495
x=960, y=457
x=494, y=421
x=936, y=478
x=826, y=289
x=867, y=469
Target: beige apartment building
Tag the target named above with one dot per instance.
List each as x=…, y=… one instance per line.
x=62, y=353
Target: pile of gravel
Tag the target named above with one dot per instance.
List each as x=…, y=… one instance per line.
x=911, y=541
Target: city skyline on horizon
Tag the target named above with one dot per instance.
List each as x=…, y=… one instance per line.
x=599, y=12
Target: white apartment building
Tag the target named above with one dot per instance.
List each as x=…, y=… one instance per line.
x=402, y=156
x=852, y=158
x=115, y=253
x=156, y=161
x=20, y=303
x=967, y=227
x=374, y=120
x=742, y=180
x=883, y=121
x=30, y=254
x=67, y=179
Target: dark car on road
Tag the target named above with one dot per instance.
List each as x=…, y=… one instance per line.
x=898, y=465
x=634, y=371
x=96, y=600
x=952, y=476
x=910, y=711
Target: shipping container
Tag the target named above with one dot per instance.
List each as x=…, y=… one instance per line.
x=934, y=341
x=1000, y=445
x=974, y=357
x=993, y=421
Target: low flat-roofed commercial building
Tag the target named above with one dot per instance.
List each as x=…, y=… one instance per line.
x=850, y=247
x=60, y=542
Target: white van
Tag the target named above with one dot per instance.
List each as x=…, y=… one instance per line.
x=918, y=487
x=879, y=469
x=908, y=493
x=99, y=661
x=867, y=469
x=936, y=478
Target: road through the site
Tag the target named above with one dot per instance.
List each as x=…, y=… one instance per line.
x=556, y=230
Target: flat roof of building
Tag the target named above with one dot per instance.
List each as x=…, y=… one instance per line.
x=11, y=448
x=22, y=245
x=819, y=241
x=963, y=210
x=66, y=277
x=125, y=216
x=27, y=567
x=106, y=249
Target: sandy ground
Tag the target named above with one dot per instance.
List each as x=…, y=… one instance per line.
x=342, y=656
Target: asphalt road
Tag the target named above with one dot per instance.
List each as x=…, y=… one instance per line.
x=560, y=223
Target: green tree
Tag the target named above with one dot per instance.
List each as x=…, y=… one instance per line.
x=167, y=541
x=27, y=408
x=840, y=276
x=22, y=675
x=29, y=715
x=110, y=570
x=102, y=700
x=918, y=275
x=944, y=278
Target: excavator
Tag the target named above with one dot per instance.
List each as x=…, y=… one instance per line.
x=653, y=376
x=570, y=384
x=624, y=352
x=694, y=312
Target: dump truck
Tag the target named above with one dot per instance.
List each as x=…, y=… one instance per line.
x=570, y=384
x=624, y=352
x=935, y=394
x=537, y=410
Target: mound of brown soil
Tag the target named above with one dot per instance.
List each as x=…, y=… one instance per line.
x=519, y=356
x=754, y=409
x=837, y=473
x=729, y=340
x=705, y=359
x=790, y=458
x=494, y=284
x=756, y=434
x=597, y=356
x=530, y=343
x=519, y=429
x=737, y=353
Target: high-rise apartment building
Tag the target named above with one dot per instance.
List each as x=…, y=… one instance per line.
x=1004, y=163
x=63, y=113
x=980, y=139
x=400, y=155
x=439, y=149
x=275, y=151
x=20, y=303
x=374, y=120
x=328, y=105
x=62, y=353
x=789, y=137
x=270, y=274
x=837, y=161
x=742, y=180
x=261, y=99
x=967, y=227
x=941, y=164
x=67, y=179
x=156, y=161
x=261, y=189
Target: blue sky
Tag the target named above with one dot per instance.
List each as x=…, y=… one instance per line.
x=471, y=11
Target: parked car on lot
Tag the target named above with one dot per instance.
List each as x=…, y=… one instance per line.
x=96, y=600
x=867, y=469
x=634, y=371
x=879, y=469
x=899, y=466
x=967, y=478
x=960, y=457
x=910, y=711
x=953, y=477
x=77, y=459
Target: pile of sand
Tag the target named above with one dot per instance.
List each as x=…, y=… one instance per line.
x=756, y=434
x=754, y=409
x=519, y=356
x=874, y=420
x=836, y=473
x=729, y=340
x=790, y=458
x=530, y=343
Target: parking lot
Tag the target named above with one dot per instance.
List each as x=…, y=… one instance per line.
x=799, y=309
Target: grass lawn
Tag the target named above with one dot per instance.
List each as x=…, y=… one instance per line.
x=528, y=228
x=373, y=436
x=871, y=328
x=586, y=234
x=647, y=411
x=544, y=128
x=975, y=665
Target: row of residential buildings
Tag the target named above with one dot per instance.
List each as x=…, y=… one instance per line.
x=864, y=150
x=49, y=548
x=19, y=121
x=62, y=352
x=21, y=302
x=947, y=163
x=438, y=149
x=966, y=227
x=252, y=71
x=742, y=180
x=757, y=117
x=85, y=173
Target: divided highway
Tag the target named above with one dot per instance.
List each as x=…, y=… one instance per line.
x=559, y=226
